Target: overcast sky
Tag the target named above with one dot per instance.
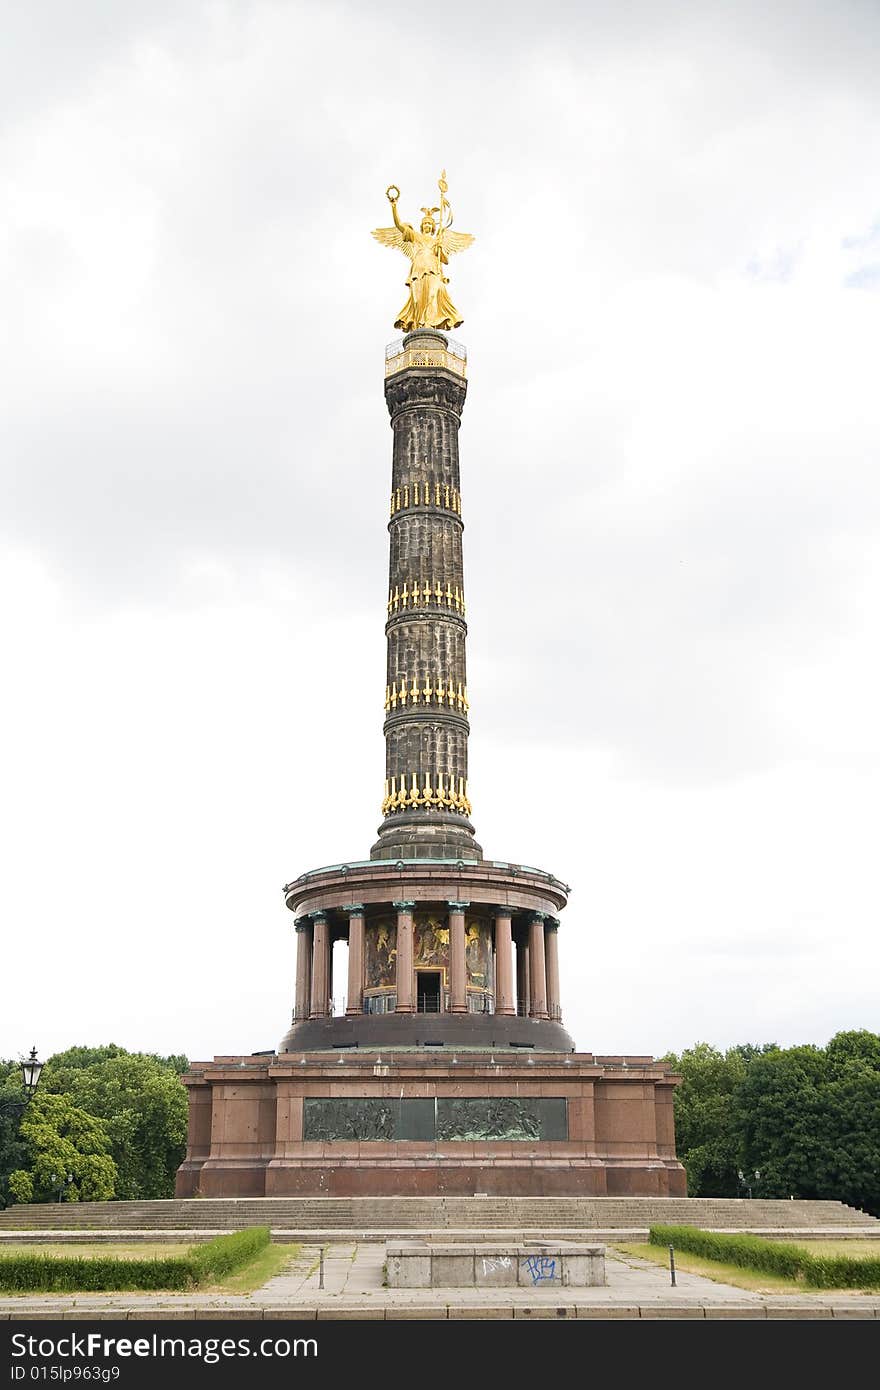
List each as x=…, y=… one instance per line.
x=670, y=488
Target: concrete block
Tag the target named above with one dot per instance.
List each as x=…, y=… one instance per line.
x=452, y=1271
x=353, y=1313
x=576, y=1269
x=545, y=1310
x=287, y=1312
x=409, y=1271
x=414, y=1312
x=539, y=1270
x=798, y=1310
x=40, y=1315
x=606, y=1310
x=160, y=1315
x=221, y=1314
x=492, y=1271
x=735, y=1310
x=89, y=1314
x=481, y=1311
x=671, y=1310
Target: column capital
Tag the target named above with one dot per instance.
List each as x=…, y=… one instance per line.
x=537, y=916
x=500, y=910
x=302, y=924
x=457, y=906
x=319, y=916
x=353, y=909
x=551, y=924
x=404, y=905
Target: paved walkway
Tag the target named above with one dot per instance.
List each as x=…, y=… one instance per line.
x=353, y=1288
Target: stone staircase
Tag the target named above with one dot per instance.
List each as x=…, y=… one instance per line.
x=378, y=1217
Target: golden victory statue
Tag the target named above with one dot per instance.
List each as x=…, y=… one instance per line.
x=429, y=249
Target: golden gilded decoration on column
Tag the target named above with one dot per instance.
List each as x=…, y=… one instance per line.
x=428, y=249
x=418, y=494
x=409, y=797
x=418, y=594
x=450, y=693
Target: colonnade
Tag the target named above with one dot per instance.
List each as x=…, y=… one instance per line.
x=526, y=960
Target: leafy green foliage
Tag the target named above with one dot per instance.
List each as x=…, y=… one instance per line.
x=13, y=1149
x=69, y=1274
x=706, y=1133
x=748, y=1252
x=807, y=1119
x=140, y=1105
x=840, y=1272
x=142, y=1101
x=200, y=1265
x=67, y=1149
x=226, y=1253
x=772, y=1257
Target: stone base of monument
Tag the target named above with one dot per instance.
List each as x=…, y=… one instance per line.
x=444, y=1122
x=495, y=1264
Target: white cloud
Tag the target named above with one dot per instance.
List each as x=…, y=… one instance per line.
x=671, y=496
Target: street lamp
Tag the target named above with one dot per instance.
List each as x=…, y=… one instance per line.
x=31, y=1068
x=30, y=1073
x=60, y=1183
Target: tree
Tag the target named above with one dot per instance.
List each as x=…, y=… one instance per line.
x=707, y=1136
x=63, y=1142
x=810, y=1121
x=13, y=1150
x=856, y=1046
x=806, y=1118
x=140, y=1098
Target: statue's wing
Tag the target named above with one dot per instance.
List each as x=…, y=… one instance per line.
x=390, y=236
x=453, y=242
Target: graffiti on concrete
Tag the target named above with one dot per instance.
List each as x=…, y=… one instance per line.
x=540, y=1267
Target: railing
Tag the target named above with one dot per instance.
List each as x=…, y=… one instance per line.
x=480, y=1004
x=425, y=1004
x=452, y=345
x=398, y=358
x=380, y=1003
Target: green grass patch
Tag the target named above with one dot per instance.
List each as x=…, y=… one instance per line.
x=854, y=1249
x=199, y=1265
x=773, y=1257
x=713, y=1269
x=268, y=1262
x=140, y=1250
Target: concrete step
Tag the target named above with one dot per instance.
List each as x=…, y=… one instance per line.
x=335, y=1236
x=400, y=1214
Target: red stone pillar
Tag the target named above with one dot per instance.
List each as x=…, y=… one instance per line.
x=537, y=968
x=457, y=959
x=320, y=966
x=355, y=1003
x=551, y=952
x=303, y=1001
x=505, y=992
x=522, y=979
x=405, y=1001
